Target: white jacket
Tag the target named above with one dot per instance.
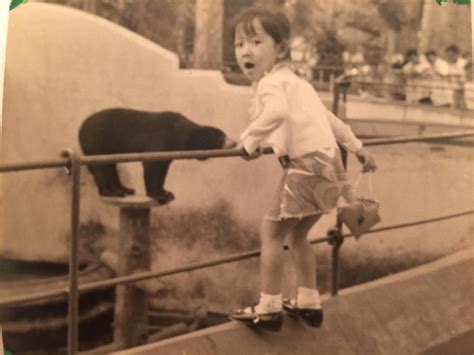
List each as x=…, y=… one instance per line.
x=287, y=112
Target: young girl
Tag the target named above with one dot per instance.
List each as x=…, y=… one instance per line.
x=289, y=115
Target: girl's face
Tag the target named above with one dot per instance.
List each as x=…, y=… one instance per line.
x=256, y=54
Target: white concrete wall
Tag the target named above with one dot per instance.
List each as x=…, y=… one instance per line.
x=63, y=65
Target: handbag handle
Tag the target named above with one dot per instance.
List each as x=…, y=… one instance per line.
x=370, y=184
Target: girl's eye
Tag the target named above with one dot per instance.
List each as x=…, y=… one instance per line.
x=256, y=41
x=238, y=44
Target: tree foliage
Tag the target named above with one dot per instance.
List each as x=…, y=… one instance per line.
x=391, y=12
x=169, y=23
x=328, y=25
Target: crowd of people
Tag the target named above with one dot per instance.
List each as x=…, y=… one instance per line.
x=426, y=78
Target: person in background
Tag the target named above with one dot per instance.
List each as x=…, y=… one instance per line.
x=353, y=58
x=431, y=70
x=397, y=61
x=412, y=66
x=468, y=69
x=432, y=66
x=454, y=65
x=469, y=88
x=416, y=88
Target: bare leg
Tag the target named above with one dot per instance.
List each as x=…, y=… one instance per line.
x=272, y=234
x=268, y=312
x=307, y=305
x=302, y=254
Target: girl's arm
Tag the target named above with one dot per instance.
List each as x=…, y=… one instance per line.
x=343, y=133
x=272, y=99
x=348, y=140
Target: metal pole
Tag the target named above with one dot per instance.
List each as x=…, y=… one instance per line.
x=335, y=98
x=336, y=237
x=331, y=82
x=73, y=302
x=336, y=242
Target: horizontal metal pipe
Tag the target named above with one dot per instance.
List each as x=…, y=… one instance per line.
x=38, y=296
x=196, y=154
x=215, y=153
x=149, y=275
x=11, y=167
x=411, y=85
x=204, y=154
x=136, y=277
x=417, y=223
x=410, y=139
x=175, y=155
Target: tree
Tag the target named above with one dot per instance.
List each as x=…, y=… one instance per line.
x=184, y=30
x=208, y=35
x=166, y=22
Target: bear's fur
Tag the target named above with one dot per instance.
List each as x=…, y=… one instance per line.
x=115, y=131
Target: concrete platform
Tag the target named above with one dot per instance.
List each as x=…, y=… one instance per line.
x=132, y=201
x=429, y=309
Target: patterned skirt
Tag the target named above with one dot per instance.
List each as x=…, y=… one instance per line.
x=311, y=185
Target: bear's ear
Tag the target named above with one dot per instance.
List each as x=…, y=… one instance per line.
x=206, y=138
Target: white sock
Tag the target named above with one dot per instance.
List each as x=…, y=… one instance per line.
x=308, y=298
x=269, y=303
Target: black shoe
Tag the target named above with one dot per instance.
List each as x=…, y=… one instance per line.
x=267, y=321
x=312, y=317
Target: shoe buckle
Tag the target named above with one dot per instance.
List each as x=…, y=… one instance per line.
x=256, y=319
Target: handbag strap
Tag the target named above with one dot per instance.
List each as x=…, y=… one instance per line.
x=370, y=184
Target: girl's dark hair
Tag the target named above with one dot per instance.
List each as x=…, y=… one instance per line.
x=275, y=24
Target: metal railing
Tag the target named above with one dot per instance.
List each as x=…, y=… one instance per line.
x=73, y=162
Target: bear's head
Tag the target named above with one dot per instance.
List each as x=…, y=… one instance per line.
x=205, y=137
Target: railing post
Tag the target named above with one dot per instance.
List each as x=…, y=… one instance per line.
x=335, y=240
x=134, y=256
x=331, y=82
x=335, y=235
x=74, y=169
x=336, y=97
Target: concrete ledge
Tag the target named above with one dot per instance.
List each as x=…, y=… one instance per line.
x=420, y=310
x=132, y=201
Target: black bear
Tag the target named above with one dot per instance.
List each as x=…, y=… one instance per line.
x=115, y=131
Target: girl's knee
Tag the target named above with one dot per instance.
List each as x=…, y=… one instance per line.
x=297, y=239
x=302, y=229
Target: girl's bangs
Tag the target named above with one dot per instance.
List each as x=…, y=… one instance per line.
x=246, y=28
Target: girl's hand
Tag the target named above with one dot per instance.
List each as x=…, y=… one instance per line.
x=256, y=154
x=366, y=159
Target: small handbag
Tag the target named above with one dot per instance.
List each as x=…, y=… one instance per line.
x=361, y=215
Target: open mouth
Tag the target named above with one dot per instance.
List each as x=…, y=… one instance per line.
x=249, y=65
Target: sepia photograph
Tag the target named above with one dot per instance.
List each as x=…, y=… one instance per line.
x=236, y=177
